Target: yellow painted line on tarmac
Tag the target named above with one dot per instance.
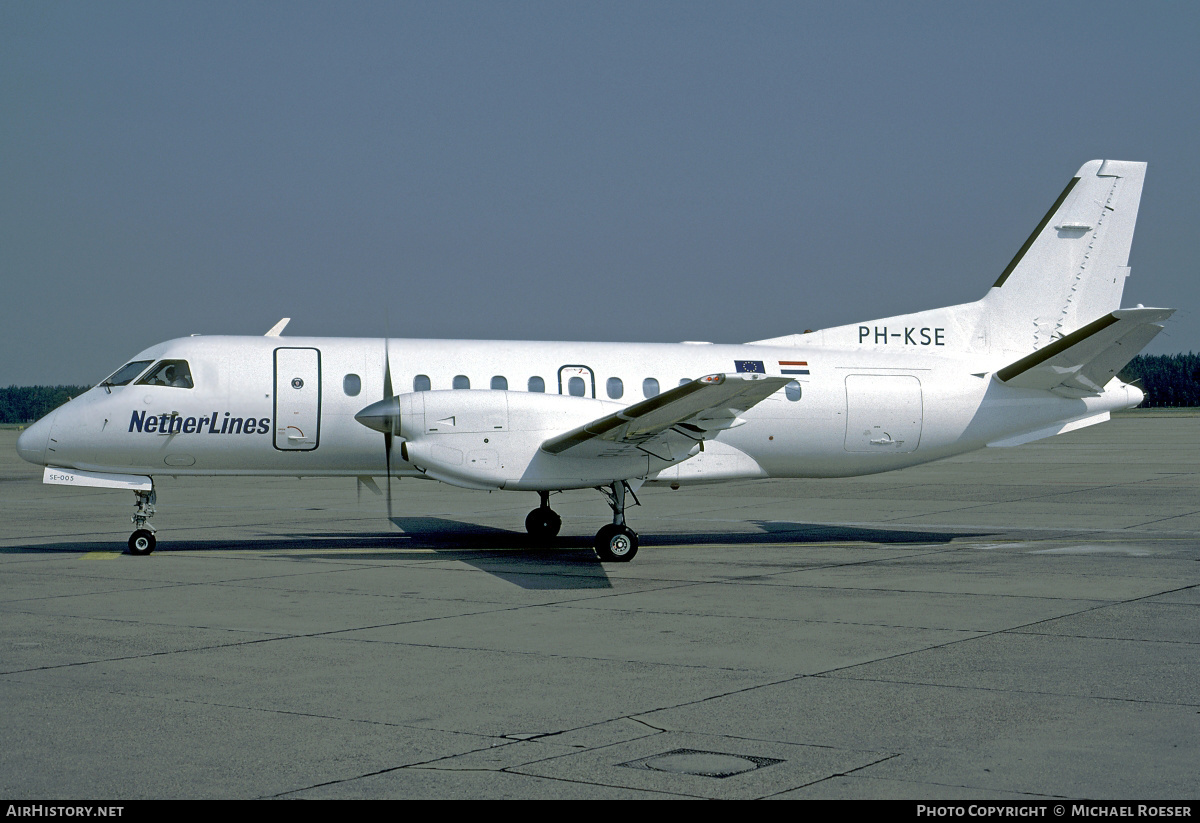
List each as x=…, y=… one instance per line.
x=100, y=555
x=347, y=551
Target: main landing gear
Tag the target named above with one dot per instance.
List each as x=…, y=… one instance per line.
x=142, y=540
x=615, y=542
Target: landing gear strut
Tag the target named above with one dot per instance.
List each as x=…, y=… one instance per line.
x=617, y=542
x=142, y=540
x=543, y=522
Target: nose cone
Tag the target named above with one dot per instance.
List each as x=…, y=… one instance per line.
x=31, y=444
x=383, y=416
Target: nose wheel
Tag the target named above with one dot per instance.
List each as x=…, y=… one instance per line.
x=543, y=522
x=142, y=541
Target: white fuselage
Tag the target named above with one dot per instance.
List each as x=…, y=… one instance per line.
x=286, y=406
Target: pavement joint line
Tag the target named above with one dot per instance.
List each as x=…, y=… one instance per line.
x=582, y=602
x=1164, y=519
x=1038, y=692
x=1102, y=639
x=282, y=637
x=664, y=792
x=290, y=712
x=332, y=632
x=510, y=772
x=431, y=765
x=846, y=773
x=434, y=764
x=1009, y=630
x=980, y=790
x=559, y=656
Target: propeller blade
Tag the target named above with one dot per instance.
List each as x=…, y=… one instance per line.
x=387, y=370
x=387, y=435
x=389, y=477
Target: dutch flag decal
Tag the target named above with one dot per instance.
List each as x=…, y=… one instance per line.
x=793, y=366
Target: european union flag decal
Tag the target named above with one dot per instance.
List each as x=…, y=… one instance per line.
x=755, y=366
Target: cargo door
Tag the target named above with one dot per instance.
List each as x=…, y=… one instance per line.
x=883, y=413
x=297, y=399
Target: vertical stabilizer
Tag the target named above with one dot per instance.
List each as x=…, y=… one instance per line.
x=1070, y=272
x=1072, y=269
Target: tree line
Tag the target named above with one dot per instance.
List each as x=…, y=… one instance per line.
x=1167, y=380
x=24, y=404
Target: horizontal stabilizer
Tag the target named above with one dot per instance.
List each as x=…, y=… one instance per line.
x=670, y=425
x=1080, y=364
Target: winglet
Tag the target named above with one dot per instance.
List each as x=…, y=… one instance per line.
x=277, y=329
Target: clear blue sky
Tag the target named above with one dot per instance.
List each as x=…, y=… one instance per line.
x=581, y=171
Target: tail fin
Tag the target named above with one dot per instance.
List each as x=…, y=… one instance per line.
x=1072, y=269
x=1069, y=272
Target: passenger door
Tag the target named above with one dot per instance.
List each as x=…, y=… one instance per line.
x=297, y=399
x=582, y=377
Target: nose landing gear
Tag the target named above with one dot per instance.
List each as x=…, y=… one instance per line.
x=543, y=522
x=142, y=540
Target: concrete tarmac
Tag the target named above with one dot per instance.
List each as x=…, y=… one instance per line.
x=1012, y=624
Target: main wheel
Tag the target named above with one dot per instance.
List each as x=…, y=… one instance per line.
x=543, y=523
x=141, y=542
x=616, y=543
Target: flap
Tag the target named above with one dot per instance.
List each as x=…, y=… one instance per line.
x=673, y=422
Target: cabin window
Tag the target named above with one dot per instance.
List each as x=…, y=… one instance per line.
x=352, y=385
x=650, y=387
x=461, y=381
x=537, y=384
x=576, y=387
x=500, y=383
x=684, y=381
x=421, y=382
x=615, y=388
x=123, y=375
x=169, y=373
x=792, y=391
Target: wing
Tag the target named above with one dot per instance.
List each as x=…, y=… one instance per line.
x=670, y=425
x=1080, y=364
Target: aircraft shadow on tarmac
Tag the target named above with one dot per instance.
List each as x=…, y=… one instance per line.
x=568, y=562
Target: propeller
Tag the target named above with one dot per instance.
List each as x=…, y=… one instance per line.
x=384, y=416
x=388, y=435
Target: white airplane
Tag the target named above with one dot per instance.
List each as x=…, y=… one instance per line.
x=1035, y=357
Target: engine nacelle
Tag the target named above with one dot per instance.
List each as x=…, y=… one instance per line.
x=486, y=439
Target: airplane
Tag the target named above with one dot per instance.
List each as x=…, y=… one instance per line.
x=1036, y=356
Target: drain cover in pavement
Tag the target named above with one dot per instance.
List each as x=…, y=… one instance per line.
x=701, y=763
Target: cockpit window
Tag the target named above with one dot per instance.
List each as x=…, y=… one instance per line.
x=169, y=373
x=123, y=375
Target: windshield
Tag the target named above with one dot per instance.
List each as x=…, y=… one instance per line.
x=126, y=373
x=169, y=373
